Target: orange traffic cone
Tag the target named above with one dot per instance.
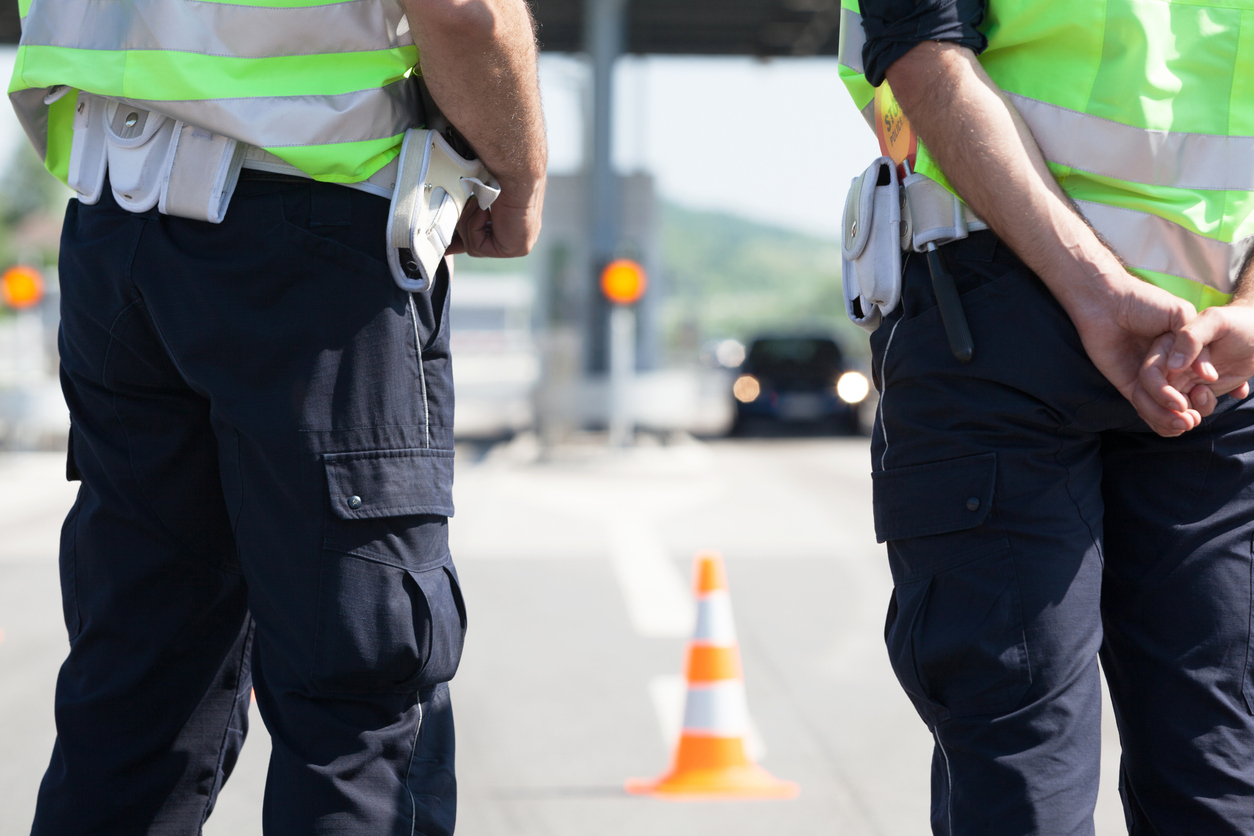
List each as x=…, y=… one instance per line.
x=710, y=760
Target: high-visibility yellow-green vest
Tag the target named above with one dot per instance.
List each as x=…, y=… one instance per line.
x=323, y=84
x=1144, y=110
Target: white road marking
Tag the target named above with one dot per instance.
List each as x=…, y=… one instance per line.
x=37, y=499
x=668, y=693
x=657, y=597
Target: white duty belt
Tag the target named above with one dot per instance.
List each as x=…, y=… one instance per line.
x=189, y=172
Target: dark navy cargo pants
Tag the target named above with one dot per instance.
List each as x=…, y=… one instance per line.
x=1034, y=523
x=261, y=422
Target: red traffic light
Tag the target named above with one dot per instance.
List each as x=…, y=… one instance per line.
x=21, y=287
x=623, y=281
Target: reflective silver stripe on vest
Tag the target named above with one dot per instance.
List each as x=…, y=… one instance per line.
x=1156, y=158
x=868, y=113
x=224, y=29
x=1153, y=243
x=33, y=115
x=285, y=121
x=852, y=39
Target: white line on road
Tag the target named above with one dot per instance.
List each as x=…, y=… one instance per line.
x=657, y=597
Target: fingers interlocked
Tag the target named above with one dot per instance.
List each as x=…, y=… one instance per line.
x=1188, y=370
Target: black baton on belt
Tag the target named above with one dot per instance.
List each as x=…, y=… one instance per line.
x=955, y=321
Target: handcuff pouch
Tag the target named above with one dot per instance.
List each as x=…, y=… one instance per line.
x=871, y=233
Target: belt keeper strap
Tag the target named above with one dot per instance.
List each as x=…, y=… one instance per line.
x=937, y=216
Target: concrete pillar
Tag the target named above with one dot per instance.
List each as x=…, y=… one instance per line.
x=603, y=38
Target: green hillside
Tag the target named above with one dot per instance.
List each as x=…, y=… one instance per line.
x=726, y=276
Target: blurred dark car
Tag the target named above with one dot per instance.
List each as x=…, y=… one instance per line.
x=797, y=383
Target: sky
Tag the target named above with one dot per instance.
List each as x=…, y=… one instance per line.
x=774, y=141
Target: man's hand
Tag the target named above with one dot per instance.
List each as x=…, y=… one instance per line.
x=479, y=63
x=1218, y=348
x=504, y=231
x=1120, y=335
x=1210, y=356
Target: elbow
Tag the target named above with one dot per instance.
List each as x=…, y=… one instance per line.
x=927, y=64
x=929, y=72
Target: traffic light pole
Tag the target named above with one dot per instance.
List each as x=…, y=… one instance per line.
x=622, y=373
x=603, y=39
x=623, y=282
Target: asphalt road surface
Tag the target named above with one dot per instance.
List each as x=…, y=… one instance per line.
x=575, y=568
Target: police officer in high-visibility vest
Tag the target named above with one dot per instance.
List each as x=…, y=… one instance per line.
x=255, y=352
x=1063, y=460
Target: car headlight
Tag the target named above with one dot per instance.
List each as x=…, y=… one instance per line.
x=853, y=387
x=746, y=388
x=730, y=353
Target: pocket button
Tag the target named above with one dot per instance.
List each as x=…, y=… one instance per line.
x=354, y=502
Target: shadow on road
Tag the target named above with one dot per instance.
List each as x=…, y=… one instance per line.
x=547, y=793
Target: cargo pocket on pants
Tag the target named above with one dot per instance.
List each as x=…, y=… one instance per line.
x=391, y=618
x=955, y=630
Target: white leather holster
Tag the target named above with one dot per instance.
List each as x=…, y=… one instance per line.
x=433, y=185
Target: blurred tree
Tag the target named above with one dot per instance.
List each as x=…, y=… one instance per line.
x=32, y=203
x=27, y=187
x=736, y=278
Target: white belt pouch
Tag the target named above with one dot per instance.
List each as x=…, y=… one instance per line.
x=882, y=218
x=871, y=233
x=151, y=160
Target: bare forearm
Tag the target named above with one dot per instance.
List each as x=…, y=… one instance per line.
x=990, y=157
x=478, y=59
